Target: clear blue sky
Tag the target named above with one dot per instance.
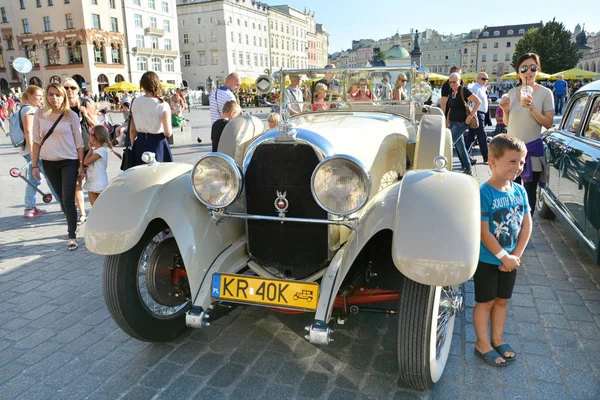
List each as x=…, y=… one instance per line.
x=362, y=19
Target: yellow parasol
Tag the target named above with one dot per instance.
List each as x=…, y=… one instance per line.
x=469, y=77
x=575, y=73
x=437, y=77
x=247, y=83
x=122, y=86
x=513, y=76
x=166, y=85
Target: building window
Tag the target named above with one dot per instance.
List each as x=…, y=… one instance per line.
x=50, y=3
x=233, y=57
x=26, y=26
x=93, y=2
x=485, y=45
x=151, y=4
x=165, y=7
x=241, y=58
x=239, y=38
x=99, y=52
x=3, y=13
x=483, y=58
x=496, y=33
x=186, y=60
x=184, y=22
x=246, y=24
x=169, y=66
x=507, y=44
x=31, y=53
x=116, y=53
x=137, y=3
x=201, y=38
x=96, y=21
x=22, y=4
x=202, y=57
x=214, y=55
x=256, y=60
x=248, y=59
x=261, y=61
x=495, y=45
x=510, y=32
x=486, y=34
x=38, y=3
x=507, y=57
x=153, y=22
x=254, y=40
x=52, y=54
x=213, y=20
x=247, y=41
x=167, y=25
x=47, y=26
x=213, y=36
x=495, y=57
x=111, y=3
x=238, y=21
x=69, y=20
x=137, y=20
x=465, y=51
x=186, y=38
x=199, y=20
x=521, y=31
x=139, y=41
x=67, y=1
x=74, y=53
x=154, y=43
x=232, y=40
x=168, y=45
x=142, y=64
x=114, y=26
x=156, y=64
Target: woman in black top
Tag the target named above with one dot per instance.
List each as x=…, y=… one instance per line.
x=458, y=118
x=87, y=117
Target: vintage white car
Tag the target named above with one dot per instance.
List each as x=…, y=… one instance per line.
x=351, y=208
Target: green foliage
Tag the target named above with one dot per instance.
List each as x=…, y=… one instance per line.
x=553, y=44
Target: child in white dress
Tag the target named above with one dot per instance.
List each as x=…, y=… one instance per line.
x=96, y=162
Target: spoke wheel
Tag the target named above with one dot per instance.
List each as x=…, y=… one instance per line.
x=426, y=316
x=146, y=289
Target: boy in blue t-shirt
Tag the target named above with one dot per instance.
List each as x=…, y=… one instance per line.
x=505, y=231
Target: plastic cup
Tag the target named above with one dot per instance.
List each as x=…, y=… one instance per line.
x=526, y=92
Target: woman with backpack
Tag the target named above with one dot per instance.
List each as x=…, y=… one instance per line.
x=33, y=98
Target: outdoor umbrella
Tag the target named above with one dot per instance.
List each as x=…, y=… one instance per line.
x=469, y=77
x=575, y=73
x=513, y=76
x=248, y=83
x=166, y=85
x=122, y=86
x=437, y=77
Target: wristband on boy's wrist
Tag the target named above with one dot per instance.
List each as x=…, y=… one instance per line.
x=501, y=254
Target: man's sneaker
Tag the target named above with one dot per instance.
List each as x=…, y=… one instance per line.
x=33, y=212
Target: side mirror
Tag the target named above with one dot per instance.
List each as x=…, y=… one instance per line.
x=264, y=84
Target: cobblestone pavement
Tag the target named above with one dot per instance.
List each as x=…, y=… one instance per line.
x=57, y=340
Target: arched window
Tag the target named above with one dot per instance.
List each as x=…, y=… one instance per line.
x=510, y=32
x=587, y=66
x=184, y=83
x=486, y=34
x=52, y=54
x=74, y=52
x=156, y=64
x=169, y=66
x=3, y=84
x=79, y=79
x=142, y=64
x=521, y=31
x=99, y=52
x=496, y=33
x=36, y=81
x=119, y=78
x=116, y=53
x=102, y=82
x=593, y=68
x=55, y=79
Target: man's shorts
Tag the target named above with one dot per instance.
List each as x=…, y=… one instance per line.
x=491, y=283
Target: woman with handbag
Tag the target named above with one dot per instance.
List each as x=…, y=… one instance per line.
x=527, y=109
x=86, y=112
x=58, y=142
x=31, y=100
x=461, y=117
x=150, y=122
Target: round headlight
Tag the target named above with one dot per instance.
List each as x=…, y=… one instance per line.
x=420, y=92
x=217, y=180
x=341, y=185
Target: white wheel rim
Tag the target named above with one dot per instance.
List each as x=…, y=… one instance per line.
x=442, y=326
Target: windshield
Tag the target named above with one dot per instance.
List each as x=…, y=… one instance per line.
x=384, y=89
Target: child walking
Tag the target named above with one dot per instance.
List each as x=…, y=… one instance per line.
x=505, y=231
x=96, y=162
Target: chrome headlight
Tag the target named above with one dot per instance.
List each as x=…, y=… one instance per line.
x=341, y=185
x=217, y=180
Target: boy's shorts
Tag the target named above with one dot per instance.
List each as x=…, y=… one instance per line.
x=491, y=283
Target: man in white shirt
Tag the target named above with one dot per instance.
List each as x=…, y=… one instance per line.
x=293, y=95
x=479, y=89
x=223, y=94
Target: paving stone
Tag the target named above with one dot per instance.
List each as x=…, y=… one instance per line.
x=558, y=337
x=269, y=363
x=35, y=339
x=473, y=381
x=16, y=386
x=547, y=306
x=516, y=394
x=183, y=387
x=568, y=297
x=583, y=386
x=226, y=375
x=250, y=387
x=139, y=393
x=542, y=368
x=161, y=375
x=278, y=392
x=342, y=395
x=49, y=365
x=550, y=391
x=38, y=392
x=522, y=300
x=570, y=358
x=525, y=314
x=206, y=364
x=555, y=321
x=378, y=386
x=587, y=330
x=578, y=313
x=290, y=373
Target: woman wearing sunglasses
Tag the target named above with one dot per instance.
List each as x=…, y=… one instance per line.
x=526, y=114
x=85, y=110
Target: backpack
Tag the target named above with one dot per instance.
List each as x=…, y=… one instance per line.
x=17, y=135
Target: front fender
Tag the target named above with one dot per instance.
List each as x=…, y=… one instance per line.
x=437, y=229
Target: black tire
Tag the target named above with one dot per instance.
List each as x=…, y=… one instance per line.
x=543, y=209
x=417, y=304
x=122, y=296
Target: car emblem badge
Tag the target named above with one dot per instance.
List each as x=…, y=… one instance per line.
x=281, y=204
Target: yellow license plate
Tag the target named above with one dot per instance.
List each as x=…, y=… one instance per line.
x=272, y=292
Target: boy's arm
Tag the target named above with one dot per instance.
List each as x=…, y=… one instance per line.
x=524, y=236
x=510, y=261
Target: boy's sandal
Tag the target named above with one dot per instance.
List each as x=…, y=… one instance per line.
x=72, y=244
x=81, y=220
x=490, y=358
x=505, y=348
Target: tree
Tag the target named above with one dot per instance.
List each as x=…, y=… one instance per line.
x=552, y=42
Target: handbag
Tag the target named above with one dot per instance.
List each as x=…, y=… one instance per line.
x=474, y=124
x=127, y=159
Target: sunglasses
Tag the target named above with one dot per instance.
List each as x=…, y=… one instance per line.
x=71, y=87
x=484, y=79
x=532, y=68
x=452, y=81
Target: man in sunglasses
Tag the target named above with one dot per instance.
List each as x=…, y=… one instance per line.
x=479, y=89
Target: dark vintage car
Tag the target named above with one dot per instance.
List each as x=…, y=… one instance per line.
x=573, y=157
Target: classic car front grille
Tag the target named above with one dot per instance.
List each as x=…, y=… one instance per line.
x=295, y=249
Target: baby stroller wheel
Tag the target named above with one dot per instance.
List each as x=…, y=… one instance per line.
x=47, y=198
x=15, y=173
